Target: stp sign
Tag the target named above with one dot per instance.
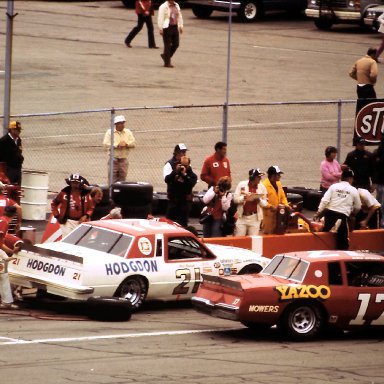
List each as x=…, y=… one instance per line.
x=369, y=122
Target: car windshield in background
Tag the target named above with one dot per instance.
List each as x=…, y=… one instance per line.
x=287, y=267
x=100, y=239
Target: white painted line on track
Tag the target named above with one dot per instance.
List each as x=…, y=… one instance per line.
x=8, y=339
x=117, y=336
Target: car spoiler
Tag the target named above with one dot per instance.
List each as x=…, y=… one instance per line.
x=29, y=248
x=222, y=281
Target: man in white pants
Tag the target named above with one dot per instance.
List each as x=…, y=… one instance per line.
x=250, y=197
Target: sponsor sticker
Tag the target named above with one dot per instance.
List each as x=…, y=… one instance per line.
x=289, y=292
x=145, y=246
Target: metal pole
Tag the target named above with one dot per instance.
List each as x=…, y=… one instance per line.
x=8, y=65
x=338, y=145
x=111, y=149
x=225, y=107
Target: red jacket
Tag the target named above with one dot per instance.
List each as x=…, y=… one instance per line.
x=143, y=6
x=214, y=168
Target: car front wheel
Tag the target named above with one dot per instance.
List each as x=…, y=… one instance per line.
x=302, y=321
x=250, y=11
x=134, y=289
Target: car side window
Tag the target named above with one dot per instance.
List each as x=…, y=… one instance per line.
x=334, y=274
x=180, y=248
x=365, y=273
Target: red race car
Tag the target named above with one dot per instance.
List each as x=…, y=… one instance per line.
x=302, y=293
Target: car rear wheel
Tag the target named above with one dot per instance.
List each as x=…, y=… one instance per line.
x=201, y=12
x=250, y=11
x=134, y=289
x=302, y=321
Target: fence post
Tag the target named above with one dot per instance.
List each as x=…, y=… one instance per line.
x=225, y=123
x=338, y=144
x=111, y=149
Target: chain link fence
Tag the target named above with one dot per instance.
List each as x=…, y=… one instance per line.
x=292, y=135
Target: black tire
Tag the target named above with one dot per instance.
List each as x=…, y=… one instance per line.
x=132, y=212
x=250, y=269
x=134, y=289
x=131, y=193
x=159, y=203
x=324, y=23
x=313, y=200
x=250, y=10
x=296, y=201
x=109, y=308
x=302, y=321
x=201, y=12
x=197, y=205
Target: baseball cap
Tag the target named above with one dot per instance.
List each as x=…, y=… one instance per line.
x=119, y=119
x=15, y=125
x=254, y=172
x=181, y=147
x=274, y=170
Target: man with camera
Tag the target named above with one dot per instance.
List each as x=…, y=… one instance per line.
x=180, y=179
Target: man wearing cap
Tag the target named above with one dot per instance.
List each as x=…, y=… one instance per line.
x=250, y=197
x=275, y=196
x=5, y=252
x=73, y=204
x=123, y=140
x=361, y=162
x=11, y=152
x=180, y=179
x=216, y=166
x=337, y=205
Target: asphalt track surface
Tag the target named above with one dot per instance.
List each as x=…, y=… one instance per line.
x=70, y=56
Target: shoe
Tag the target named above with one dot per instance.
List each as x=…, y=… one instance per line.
x=162, y=56
x=128, y=45
x=155, y=47
x=168, y=65
x=9, y=306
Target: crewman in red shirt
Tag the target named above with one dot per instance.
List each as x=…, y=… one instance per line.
x=4, y=201
x=73, y=204
x=216, y=166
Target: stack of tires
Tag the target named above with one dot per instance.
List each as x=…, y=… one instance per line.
x=311, y=197
x=134, y=198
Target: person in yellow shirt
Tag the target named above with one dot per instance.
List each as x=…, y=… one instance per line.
x=275, y=196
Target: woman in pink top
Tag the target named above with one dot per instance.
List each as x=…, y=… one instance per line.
x=330, y=169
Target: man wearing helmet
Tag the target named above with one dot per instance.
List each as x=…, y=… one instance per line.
x=72, y=205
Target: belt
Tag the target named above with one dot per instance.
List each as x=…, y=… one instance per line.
x=249, y=213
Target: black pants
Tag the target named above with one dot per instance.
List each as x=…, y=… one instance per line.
x=14, y=175
x=141, y=19
x=171, y=42
x=178, y=210
x=342, y=233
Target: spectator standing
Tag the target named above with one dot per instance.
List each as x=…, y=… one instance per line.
x=337, y=205
x=275, y=196
x=360, y=161
x=250, y=197
x=369, y=216
x=330, y=169
x=218, y=201
x=123, y=141
x=378, y=176
x=73, y=204
x=170, y=22
x=365, y=72
x=216, y=165
x=5, y=252
x=11, y=152
x=144, y=11
x=380, y=49
x=180, y=179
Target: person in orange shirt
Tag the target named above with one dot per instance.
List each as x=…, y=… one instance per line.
x=144, y=11
x=276, y=196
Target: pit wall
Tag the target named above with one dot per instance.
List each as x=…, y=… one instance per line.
x=270, y=245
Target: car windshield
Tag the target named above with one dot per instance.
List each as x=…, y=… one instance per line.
x=100, y=239
x=287, y=267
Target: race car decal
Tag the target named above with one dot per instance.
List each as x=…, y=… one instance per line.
x=365, y=299
x=134, y=266
x=46, y=267
x=145, y=246
x=289, y=292
x=264, y=308
x=182, y=288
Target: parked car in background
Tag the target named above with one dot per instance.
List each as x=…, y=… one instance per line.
x=247, y=10
x=372, y=15
x=326, y=13
x=303, y=293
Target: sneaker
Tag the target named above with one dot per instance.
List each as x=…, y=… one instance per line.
x=9, y=306
x=168, y=65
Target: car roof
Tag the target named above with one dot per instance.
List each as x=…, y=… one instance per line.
x=333, y=255
x=140, y=227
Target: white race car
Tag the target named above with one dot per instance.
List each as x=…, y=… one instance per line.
x=134, y=259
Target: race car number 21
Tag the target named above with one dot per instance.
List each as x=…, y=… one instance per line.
x=365, y=298
x=186, y=274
